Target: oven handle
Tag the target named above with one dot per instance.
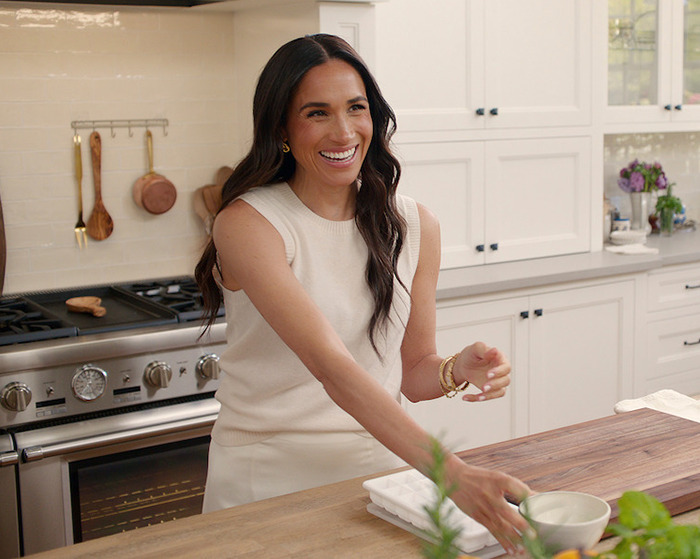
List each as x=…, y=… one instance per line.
x=9, y=458
x=33, y=453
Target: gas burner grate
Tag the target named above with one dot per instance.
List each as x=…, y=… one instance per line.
x=20, y=321
x=180, y=294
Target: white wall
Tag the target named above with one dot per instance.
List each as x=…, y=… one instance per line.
x=94, y=63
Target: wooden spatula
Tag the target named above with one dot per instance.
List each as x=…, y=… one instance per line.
x=100, y=224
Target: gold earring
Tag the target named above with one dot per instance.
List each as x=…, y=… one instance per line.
x=285, y=147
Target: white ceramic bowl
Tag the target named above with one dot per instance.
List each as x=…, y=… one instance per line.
x=567, y=519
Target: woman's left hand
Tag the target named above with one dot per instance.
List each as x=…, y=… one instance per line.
x=484, y=367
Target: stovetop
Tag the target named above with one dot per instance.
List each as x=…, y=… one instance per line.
x=149, y=349
x=44, y=315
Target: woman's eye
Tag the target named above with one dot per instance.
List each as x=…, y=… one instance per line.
x=358, y=107
x=318, y=112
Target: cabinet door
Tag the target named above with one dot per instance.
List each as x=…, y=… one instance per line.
x=461, y=425
x=537, y=198
x=653, y=61
x=448, y=178
x=538, y=62
x=580, y=354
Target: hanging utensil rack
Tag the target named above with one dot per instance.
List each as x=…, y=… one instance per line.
x=121, y=123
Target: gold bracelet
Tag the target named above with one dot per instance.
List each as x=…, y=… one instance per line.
x=447, y=381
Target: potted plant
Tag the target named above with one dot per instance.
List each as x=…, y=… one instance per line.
x=640, y=179
x=667, y=207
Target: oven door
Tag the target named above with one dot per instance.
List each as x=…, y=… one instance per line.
x=9, y=516
x=94, y=478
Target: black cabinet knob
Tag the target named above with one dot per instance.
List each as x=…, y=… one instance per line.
x=678, y=107
x=480, y=248
x=538, y=312
x=480, y=111
x=493, y=246
x=524, y=314
x=668, y=107
x=494, y=111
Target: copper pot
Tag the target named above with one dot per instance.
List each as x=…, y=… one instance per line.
x=153, y=192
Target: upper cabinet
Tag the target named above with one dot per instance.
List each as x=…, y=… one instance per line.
x=513, y=64
x=653, y=65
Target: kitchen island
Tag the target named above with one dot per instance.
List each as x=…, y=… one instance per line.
x=644, y=450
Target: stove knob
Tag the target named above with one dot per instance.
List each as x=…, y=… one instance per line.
x=158, y=374
x=208, y=366
x=16, y=396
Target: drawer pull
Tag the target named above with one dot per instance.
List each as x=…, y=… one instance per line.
x=691, y=343
x=688, y=286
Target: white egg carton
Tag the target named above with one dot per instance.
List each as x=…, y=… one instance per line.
x=400, y=498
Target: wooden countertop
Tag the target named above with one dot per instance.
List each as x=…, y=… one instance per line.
x=643, y=450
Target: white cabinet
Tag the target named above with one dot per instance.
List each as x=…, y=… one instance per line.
x=507, y=64
x=503, y=200
x=670, y=352
x=581, y=353
x=653, y=63
x=459, y=424
x=571, y=350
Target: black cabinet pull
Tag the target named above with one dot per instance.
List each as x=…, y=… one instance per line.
x=480, y=248
x=493, y=246
x=494, y=111
x=688, y=286
x=668, y=107
x=480, y=111
x=538, y=312
x=691, y=343
x=678, y=107
x=524, y=314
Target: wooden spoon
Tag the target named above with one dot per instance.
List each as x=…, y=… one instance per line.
x=87, y=304
x=100, y=224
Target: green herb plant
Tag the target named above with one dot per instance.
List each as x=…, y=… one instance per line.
x=647, y=531
x=441, y=538
x=669, y=202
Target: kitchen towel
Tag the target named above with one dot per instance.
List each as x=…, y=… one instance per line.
x=636, y=248
x=667, y=401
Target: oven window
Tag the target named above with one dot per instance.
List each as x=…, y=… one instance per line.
x=116, y=493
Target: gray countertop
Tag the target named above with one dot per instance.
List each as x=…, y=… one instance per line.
x=681, y=248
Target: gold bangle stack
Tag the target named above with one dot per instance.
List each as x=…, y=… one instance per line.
x=447, y=379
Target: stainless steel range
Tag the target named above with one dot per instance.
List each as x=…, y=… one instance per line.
x=104, y=420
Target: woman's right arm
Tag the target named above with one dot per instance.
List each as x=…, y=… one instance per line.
x=252, y=258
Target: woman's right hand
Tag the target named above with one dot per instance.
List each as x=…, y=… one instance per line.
x=481, y=493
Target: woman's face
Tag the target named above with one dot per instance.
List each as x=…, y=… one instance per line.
x=329, y=126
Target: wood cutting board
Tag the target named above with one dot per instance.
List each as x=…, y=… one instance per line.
x=642, y=450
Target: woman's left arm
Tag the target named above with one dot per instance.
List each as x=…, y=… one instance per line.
x=485, y=367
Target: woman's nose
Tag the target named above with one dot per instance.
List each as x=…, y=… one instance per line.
x=343, y=129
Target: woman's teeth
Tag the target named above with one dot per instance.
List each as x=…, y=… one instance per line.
x=339, y=155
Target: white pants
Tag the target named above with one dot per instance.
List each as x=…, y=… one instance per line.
x=290, y=462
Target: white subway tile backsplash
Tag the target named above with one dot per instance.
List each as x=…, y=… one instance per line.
x=92, y=63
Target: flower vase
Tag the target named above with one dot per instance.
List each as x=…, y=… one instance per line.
x=640, y=211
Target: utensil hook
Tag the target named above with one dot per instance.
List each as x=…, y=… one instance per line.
x=111, y=129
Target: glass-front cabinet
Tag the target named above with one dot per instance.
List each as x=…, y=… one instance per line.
x=653, y=61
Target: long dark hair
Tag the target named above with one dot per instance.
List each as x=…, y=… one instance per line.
x=377, y=219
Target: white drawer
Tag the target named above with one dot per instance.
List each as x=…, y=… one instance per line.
x=677, y=287
x=673, y=346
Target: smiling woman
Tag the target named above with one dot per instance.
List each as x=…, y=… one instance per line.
x=328, y=278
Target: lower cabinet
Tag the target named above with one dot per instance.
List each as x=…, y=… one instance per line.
x=670, y=344
x=571, y=351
